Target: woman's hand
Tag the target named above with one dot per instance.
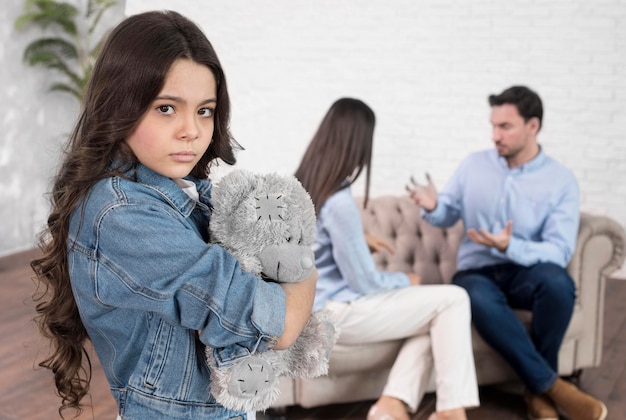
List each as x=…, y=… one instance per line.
x=414, y=279
x=377, y=244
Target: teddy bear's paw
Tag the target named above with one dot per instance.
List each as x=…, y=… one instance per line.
x=287, y=263
x=248, y=385
x=310, y=354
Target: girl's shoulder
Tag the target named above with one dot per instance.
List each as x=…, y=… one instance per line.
x=120, y=191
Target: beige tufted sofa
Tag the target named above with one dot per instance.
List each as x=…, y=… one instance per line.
x=358, y=372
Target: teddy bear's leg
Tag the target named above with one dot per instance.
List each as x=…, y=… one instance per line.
x=250, y=383
x=251, y=377
x=309, y=355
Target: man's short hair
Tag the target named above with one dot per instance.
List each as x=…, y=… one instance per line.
x=527, y=102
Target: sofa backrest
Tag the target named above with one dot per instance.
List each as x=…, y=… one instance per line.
x=420, y=247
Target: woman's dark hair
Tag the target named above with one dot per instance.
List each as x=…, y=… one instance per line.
x=128, y=75
x=339, y=150
x=527, y=102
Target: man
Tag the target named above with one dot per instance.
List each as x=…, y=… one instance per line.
x=521, y=211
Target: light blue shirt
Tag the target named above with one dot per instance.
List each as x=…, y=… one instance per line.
x=344, y=264
x=541, y=198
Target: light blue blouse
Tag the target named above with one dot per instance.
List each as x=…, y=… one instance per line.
x=345, y=266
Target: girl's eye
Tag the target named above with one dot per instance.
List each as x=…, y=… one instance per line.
x=206, y=112
x=165, y=109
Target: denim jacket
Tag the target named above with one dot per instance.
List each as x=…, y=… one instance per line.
x=152, y=293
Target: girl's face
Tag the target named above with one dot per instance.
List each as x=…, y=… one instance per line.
x=174, y=133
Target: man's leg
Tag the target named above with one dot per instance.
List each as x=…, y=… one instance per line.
x=500, y=327
x=553, y=299
x=549, y=292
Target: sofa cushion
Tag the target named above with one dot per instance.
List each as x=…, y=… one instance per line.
x=420, y=247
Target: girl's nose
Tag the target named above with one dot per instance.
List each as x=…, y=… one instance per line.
x=189, y=129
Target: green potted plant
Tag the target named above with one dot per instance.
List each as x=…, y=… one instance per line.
x=69, y=49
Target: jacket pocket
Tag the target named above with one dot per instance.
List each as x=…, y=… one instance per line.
x=158, y=354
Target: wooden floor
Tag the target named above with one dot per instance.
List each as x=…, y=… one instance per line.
x=27, y=391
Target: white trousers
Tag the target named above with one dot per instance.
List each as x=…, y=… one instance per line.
x=435, y=320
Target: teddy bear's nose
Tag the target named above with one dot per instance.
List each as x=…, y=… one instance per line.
x=306, y=263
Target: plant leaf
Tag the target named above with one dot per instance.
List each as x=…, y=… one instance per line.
x=38, y=50
x=62, y=87
x=70, y=53
x=103, y=6
x=44, y=13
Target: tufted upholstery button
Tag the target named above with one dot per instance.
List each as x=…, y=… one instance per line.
x=399, y=221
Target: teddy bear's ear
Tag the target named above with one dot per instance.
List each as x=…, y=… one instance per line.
x=232, y=190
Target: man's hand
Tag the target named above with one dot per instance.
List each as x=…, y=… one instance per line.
x=377, y=244
x=424, y=196
x=500, y=241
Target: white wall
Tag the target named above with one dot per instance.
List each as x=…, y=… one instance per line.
x=426, y=68
x=34, y=124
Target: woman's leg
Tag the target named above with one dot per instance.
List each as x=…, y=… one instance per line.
x=411, y=372
x=442, y=311
x=451, y=338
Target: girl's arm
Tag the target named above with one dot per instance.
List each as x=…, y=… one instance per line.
x=299, y=303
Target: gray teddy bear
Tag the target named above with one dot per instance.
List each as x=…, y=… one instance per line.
x=268, y=223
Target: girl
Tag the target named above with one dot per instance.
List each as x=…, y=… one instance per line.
x=354, y=290
x=126, y=263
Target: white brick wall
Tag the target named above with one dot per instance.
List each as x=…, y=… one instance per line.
x=426, y=68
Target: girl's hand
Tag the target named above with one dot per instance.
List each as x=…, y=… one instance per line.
x=377, y=244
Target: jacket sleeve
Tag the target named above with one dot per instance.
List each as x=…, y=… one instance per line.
x=149, y=258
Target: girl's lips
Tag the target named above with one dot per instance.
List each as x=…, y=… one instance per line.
x=184, y=157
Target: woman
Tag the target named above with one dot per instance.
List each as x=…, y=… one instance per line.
x=350, y=285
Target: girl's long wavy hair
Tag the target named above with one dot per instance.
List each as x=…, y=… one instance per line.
x=128, y=75
x=339, y=151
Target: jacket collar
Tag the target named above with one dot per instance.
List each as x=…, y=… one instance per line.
x=167, y=188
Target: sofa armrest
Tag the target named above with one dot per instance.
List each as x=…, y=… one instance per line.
x=600, y=250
